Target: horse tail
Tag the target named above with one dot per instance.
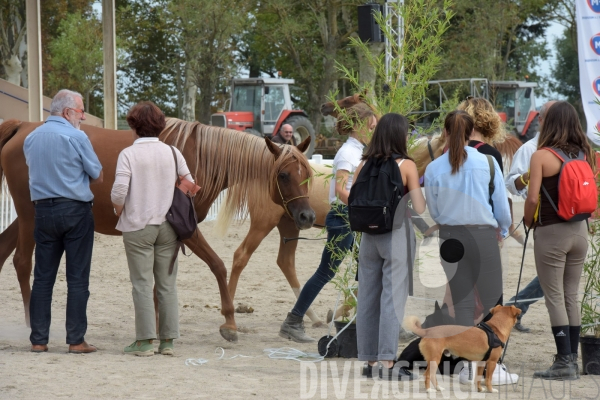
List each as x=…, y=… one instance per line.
x=224, y=217
x=8, y=130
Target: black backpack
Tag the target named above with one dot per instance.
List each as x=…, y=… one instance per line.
x=375, y=195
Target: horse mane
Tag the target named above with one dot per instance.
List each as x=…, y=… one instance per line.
x=508, y=147
x=237, y=160
x=420, y=153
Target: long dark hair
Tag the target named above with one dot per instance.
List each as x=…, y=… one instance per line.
x=458, y=126
x=389, y=138
x=562, y=130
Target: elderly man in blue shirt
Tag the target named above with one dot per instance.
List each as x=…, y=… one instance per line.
x=516, y=183
x=62, y=165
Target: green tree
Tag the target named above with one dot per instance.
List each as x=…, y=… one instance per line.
x=499, y=40
x=152, y=65
x=208, y=31
x=305, y=38
x=12, y=44
x=77, y=59
x=565, y=71
x=51, y=15
x=415, y=59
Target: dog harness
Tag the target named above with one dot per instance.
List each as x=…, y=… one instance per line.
x=493, y=339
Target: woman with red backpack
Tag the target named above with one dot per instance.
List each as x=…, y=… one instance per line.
x=562, y=194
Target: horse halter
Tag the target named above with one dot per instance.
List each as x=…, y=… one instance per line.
x=430, y=150
x=283, y=200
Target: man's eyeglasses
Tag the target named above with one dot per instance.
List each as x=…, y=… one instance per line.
x=288, y=131
x=82, y=111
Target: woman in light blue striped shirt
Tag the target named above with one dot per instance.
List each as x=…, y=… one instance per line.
x=471, y=217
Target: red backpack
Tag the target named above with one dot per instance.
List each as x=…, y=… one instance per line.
x=577, y=192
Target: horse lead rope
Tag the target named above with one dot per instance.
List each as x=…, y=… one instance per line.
x=516, y=302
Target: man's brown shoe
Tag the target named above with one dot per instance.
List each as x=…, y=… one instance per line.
x=39, y=348
x=82, y=348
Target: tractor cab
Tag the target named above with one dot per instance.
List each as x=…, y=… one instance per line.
x=260, y=106
x=515, y=103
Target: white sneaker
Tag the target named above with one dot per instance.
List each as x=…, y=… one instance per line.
x=501, y=376
x=466, y=376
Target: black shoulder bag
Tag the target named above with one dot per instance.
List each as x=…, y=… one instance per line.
x=182, y=215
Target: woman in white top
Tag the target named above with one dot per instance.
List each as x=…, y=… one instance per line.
x=359, y=121
x=142, y=195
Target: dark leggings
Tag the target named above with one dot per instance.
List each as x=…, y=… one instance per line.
x=480, y=266
x=339, y=241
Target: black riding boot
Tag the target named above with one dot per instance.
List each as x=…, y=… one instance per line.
x=574, y=362
x=562, y=369
x=293, y=329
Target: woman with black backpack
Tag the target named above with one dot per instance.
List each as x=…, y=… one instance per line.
x=385, y=259
x=358, y=122
x=561, y=239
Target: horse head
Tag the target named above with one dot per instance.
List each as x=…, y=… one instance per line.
x=290, y=180
x=330, y=108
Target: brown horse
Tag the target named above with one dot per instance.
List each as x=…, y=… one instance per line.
x=256, y=172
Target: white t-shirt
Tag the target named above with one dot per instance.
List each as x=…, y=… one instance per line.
x=347, y=158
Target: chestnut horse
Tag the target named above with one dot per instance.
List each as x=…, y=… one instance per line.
x=256, y=172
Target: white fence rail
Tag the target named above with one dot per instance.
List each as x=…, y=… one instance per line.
x=7, y=208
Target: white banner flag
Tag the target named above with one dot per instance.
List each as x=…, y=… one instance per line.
x=588, y=43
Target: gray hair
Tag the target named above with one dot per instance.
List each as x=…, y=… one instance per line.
x=64, y=99
x=545, y=108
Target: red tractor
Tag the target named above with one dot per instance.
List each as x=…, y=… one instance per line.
x=515, y=103
x=260, y=106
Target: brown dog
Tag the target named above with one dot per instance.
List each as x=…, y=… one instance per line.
x=461, y=341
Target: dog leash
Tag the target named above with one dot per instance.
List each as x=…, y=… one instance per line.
x=516, y=302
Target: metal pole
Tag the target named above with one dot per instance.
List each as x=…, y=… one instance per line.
x=110, y=64
x=395, y=26
x=34, y=60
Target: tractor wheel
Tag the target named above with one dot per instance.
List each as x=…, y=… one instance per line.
x=302, y=129
x=254, y=132
x=532, y=130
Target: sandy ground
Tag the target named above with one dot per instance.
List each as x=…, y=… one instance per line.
x=111, y=374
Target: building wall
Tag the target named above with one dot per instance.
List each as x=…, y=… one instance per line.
x=14, y=105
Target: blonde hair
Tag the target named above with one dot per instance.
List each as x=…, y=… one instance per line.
x=486, y=119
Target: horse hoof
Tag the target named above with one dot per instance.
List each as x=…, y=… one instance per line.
x=318, y=324
x=229, y=334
